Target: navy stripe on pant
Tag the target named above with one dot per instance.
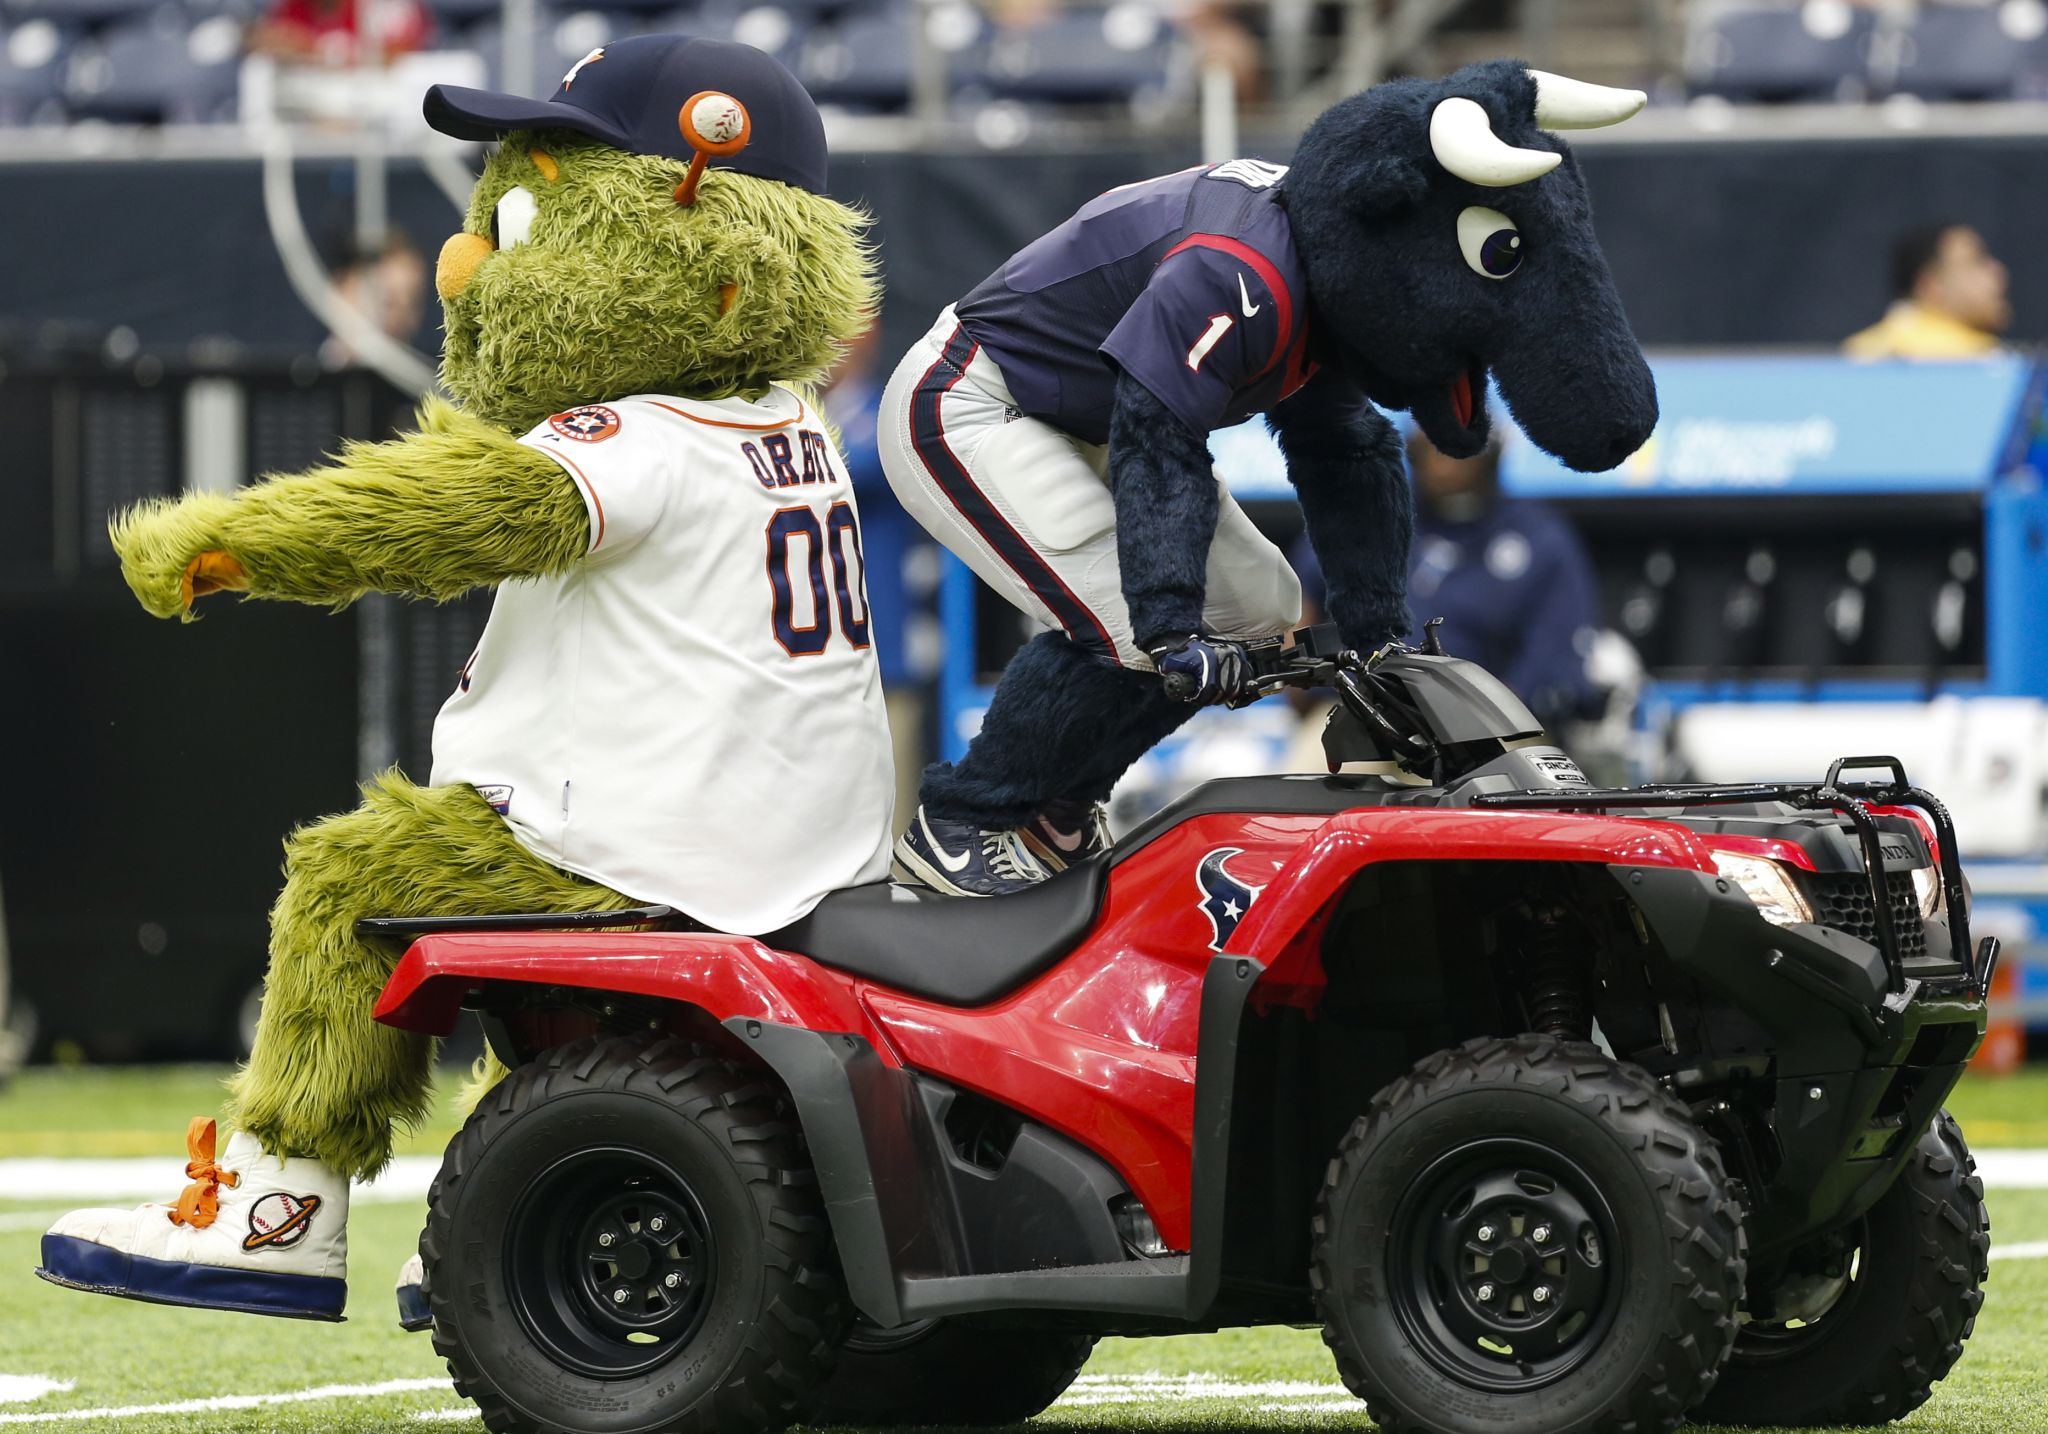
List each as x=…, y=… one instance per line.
x=928, y=436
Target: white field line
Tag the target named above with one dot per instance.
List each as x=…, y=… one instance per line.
x=1096, y=1391
x=147, y=1177
x=16, y=1220
x=1091, y=1390
x=44, y=1178
x=2013, y=1169
x=233, y=1401
x=1318, y=1406
x=21, y=1388
x=2032, y=1250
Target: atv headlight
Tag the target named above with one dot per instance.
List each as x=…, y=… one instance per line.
x=1766, y=883
x=1927, y=886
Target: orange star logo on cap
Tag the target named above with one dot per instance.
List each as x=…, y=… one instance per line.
x=569, y=80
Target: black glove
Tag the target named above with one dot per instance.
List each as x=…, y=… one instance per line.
x=1204, y=669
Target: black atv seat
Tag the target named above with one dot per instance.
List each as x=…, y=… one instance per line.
x=960, y=950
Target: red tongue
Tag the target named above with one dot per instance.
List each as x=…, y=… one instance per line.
x=1461, y=399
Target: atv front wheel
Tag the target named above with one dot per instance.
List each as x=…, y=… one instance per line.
x=626, y=1235
x=1880, y=1312
x=1526, y=1236
x=947, y=1371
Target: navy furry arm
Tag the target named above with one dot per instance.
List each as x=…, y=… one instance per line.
x=1164, y=487
x=1344, y=459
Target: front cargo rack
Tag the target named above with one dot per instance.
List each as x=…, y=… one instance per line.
x=1853, y=800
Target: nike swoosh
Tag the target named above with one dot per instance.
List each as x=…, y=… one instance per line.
x=949, y=862
x=1245, y=294
x=1059, y=839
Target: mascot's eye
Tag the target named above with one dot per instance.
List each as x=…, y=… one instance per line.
x=1492, y=245
x=513, y=219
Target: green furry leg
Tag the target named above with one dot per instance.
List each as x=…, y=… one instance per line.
x=324, y=1080
x=483, y=1077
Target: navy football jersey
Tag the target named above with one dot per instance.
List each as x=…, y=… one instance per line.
x=1189, y=283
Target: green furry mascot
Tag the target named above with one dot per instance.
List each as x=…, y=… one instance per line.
x=648, y=275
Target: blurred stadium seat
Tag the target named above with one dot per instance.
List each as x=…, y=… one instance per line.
x=562, y=38
x=159, y=68
x=32, y=59
x=1965, y=52
x=568, y=33
x=1814, y=51
x=76, y=14
x=452, y=15
x=860, y=63
x=1083, y=56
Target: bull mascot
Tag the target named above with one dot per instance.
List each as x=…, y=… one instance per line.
x=1051, y=429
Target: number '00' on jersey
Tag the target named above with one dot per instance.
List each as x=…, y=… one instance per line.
x=693, y=714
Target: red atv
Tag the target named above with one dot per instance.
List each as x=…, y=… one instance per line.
x=1558, y=1109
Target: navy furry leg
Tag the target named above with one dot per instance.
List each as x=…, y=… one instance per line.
x=1063, y=723
x=1152, y=718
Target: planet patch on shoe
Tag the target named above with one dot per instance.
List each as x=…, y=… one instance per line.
x=280, y=1221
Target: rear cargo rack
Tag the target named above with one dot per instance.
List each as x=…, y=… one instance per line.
x=1853, y=800
x=409, y=927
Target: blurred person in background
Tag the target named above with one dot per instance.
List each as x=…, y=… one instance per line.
x=341, y=32
x=387, y=282
x=851, y=398
x=1949, y=299
x=895, y=557
x=1508, y=576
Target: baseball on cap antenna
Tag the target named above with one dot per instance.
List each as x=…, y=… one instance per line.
x=713, y=123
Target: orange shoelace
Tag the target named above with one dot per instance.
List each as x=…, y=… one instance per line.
x=200, y=1203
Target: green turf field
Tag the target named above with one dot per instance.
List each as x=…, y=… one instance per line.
x=129, y=1359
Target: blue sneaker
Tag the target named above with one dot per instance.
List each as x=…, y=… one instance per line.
x=961, y=859
x=413, y=1312
x=1066, y=832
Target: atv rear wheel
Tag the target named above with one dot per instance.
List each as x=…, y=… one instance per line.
x=1527, y=1236
x=626, y=1235
x=948, y=1371
x=1888, y=1305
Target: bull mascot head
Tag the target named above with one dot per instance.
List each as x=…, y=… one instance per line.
x=1447, y=237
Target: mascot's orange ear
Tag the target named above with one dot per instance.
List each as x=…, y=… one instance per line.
x=712, y=123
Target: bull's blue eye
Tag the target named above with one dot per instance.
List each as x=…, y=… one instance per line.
x=1491, y=244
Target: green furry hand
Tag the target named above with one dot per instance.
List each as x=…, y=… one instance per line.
x=161, y=545
x=455, y=506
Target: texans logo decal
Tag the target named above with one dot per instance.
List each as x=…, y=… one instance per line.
x=1225, y=899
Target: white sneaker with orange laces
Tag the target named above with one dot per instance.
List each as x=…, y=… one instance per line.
x=251, y=1232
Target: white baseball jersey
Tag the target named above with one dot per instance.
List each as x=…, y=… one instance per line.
x=693, y=714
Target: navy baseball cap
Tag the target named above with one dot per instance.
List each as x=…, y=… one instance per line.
x=630, y=93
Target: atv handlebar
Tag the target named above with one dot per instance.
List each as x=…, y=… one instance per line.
x=1313, y=657
x=1306, y=658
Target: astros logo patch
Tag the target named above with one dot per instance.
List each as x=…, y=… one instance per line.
x=591, y=423
x=1225, y=899
x=280, y=1221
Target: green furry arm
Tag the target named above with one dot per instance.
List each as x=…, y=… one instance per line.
x=455, y=506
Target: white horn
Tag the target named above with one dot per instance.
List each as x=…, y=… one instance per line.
x=1465, y=144
x=1563, y=103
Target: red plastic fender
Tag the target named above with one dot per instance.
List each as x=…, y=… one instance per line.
x=727, y=976
x=1324, y=865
